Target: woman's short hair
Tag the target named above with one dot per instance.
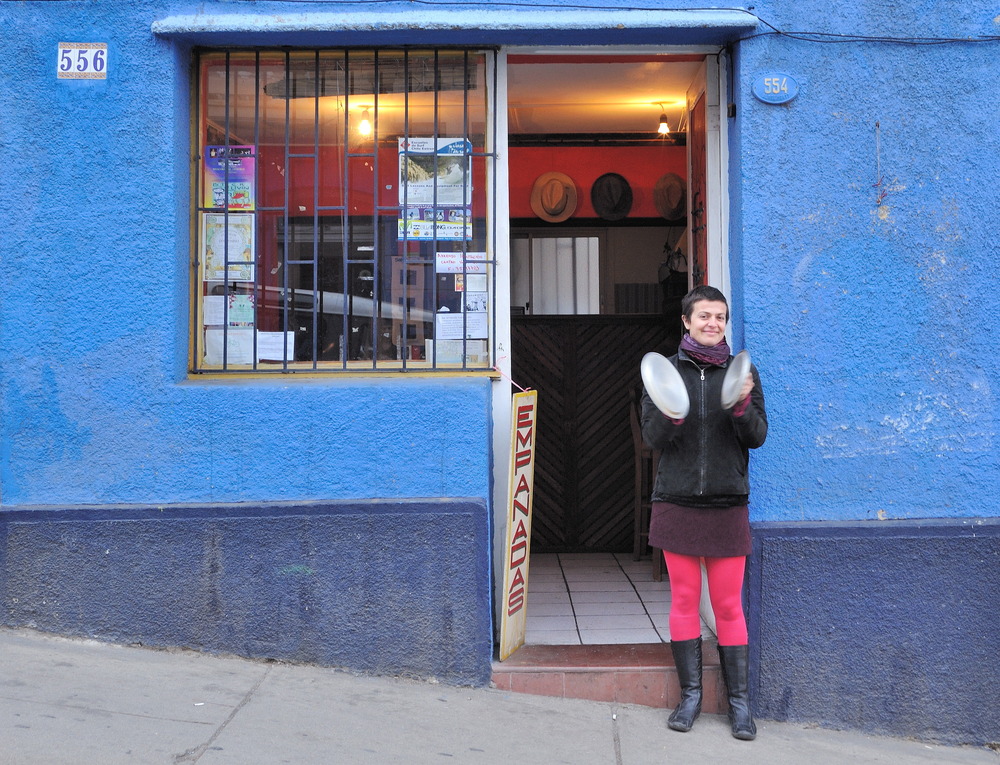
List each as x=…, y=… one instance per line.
x=702, y=292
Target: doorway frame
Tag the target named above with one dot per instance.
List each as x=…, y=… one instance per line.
x=717, y=179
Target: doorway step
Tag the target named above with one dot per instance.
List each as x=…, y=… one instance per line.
x=642, y=673
x=597, y=629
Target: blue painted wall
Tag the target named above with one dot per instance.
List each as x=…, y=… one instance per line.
x=96, y=306
x=867, y=251
x=880, y=626
x=378, y=586
x=864, y=259
x=863, y=262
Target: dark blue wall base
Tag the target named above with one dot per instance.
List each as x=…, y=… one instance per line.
x=386, y=587
x=887, y=627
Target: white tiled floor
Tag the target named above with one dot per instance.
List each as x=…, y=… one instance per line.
x=596, y=599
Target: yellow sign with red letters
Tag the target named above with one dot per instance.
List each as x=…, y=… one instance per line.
x=513, y=619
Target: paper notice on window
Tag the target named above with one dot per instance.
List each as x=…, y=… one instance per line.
x=475, y=302
x=233, y=347
x=275, y=346
x=454, y=263
x=455, y=326
x=471, y=282
x=213, y=310
x=240, y=310
x=229, y=172
x=450, y=352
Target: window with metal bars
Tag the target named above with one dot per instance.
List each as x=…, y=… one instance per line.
x=342, y=211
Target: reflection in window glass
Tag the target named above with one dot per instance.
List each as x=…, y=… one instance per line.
x=342, y=211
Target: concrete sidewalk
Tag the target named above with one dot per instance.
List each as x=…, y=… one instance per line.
x=78, y=701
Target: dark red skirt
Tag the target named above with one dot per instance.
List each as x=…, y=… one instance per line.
x=713, y=532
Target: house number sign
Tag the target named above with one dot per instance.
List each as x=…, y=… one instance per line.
x=82, y=61
x=775, y=87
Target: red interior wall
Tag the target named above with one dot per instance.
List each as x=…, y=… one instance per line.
x=641, y=166
x=300, y=176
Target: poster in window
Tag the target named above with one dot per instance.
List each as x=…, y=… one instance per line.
x=435, y=189
x=455, y=326
x=233, y=346
x=227, y=247
x=232, y=310
x=229, y=168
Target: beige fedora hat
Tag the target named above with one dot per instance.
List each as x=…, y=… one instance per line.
x=553, y=197
x=669, y=196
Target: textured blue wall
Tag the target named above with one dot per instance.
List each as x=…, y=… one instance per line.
x=864, y=224
x=864, y=304
x=889, y=627
x=96, y=300
x=864, y=268
x=384, y=587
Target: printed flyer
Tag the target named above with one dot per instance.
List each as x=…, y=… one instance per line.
x=227, y=247
x=435, y=189
x=240, y=161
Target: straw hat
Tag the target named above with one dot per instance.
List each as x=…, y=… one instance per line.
x=553, y=197
x=611, y=196
x=669, y=196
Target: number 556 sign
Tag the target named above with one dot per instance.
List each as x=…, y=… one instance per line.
x=82, y=61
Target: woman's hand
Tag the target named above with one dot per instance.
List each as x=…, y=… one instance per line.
x=745, y=391
x=743, y=402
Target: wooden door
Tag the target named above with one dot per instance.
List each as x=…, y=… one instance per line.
x=696, y=173
x=583, y=368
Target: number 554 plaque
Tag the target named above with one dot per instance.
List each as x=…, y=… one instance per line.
x=775, y=88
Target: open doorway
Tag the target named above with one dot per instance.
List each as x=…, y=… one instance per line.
x=604, y=243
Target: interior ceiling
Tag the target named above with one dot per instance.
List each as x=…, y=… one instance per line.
x=546, y=95
x=591, y=95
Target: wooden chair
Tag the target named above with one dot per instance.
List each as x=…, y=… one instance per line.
x=646, y=462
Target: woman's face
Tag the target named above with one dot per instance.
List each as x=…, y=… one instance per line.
x=707, y=324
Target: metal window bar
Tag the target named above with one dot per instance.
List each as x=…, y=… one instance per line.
x=258, y=291
x=405, y=213
x=315, y=227
x=348, y=230
x=289, y=236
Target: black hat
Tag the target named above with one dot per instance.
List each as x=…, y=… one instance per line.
x=611, y=196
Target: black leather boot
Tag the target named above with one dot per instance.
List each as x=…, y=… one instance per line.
x=687, y=658
x=735, y=671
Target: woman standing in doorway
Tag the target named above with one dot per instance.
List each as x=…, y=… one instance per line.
x=700, y=506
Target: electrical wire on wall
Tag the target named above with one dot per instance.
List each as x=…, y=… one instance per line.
x=804, y=36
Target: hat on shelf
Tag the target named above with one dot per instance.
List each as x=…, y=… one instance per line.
x=553, y=197
x=611, y=196
x=670, y=196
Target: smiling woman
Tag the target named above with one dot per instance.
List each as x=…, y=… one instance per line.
x=700, y=513
x=326, y=247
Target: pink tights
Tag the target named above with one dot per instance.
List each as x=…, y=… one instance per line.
x=725, y=590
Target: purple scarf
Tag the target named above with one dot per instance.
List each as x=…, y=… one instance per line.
x=716, y=355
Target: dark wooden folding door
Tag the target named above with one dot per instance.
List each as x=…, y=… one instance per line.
x=583, y=368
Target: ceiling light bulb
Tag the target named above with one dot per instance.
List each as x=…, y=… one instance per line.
x=664, y=128
x=365, y=126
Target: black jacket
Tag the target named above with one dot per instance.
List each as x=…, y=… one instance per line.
x=704, y=459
